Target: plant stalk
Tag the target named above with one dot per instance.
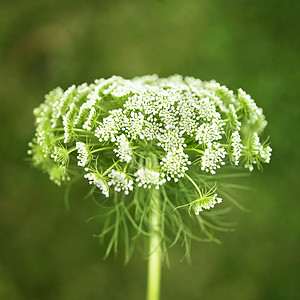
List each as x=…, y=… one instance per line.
x=154, y=260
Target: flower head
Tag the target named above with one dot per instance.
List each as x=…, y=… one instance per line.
x=174, y=164
x=236, y=147
x=83, y=154
x=123, y=151
x=147, y=178
x=149, y=136
x=255, y=152
x=120, y=181
x=206, y=202
x=98, y=181
x=170, y=118
x=166, y=117
x=213, y=158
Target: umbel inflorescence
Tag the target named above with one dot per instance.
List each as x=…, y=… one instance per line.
x=127, y=138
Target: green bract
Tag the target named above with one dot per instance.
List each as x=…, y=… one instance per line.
x=128, y=137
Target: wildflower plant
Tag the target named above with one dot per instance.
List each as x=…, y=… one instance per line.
x=159, y=150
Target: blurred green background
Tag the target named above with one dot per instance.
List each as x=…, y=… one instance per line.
x=48, y=252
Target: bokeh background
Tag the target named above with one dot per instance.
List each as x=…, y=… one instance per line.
x=48, y=252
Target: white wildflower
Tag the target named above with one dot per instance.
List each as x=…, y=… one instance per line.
x=188, y=125
x=168, y=117
x=88, y=123
x=98, y=181
x=212, y=158
x=236, y=147
x=174, y=164
x=233, y=118
x=124, y=151
x=58, y=173
x=61, y=105
x=146, y=178
x=256, y=146
x=150, y=116
x=258, y=151
x=68, y=122
x=151, y=129
x=253, y=113
x=109, y=89
x=206, y=202
x=108, y=129
x=134, y=125
x=121, y=91
x=60, y=154
x=206, y=109
x=120, y=181
x=44, y=139
x=84, y=110
x=170, y=139
x=94, y=96
x=83, y=154
x=266, y=154
x=209, y=132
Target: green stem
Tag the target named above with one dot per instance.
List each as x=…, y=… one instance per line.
x=101, y=149
x=194, y=184
x=154, y=262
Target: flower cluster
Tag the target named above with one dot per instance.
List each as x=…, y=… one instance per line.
x=123, y=150
x=212, y=158
x=236, y=146
x=206, y=202
x=183, y=122
x=83, y=154
x=61, y=155
x=146, y=178
x=120, y=181
x=174, y=164
x=209, y=132
x=98, y=181
x=256, y=152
